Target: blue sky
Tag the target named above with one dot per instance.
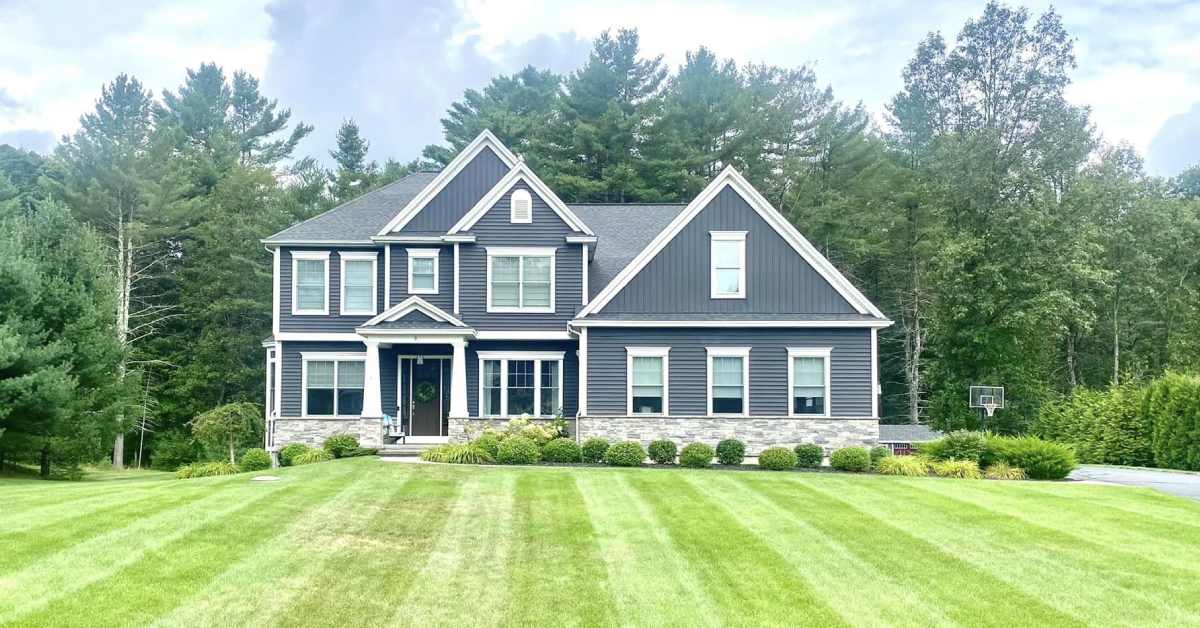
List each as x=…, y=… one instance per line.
x=395, y=66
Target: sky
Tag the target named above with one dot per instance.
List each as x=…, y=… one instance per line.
x=394, y=67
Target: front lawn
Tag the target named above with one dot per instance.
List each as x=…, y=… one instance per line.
x=365, y=542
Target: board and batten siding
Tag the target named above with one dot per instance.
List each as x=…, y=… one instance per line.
x=459, y=195
x=494, y=229
x=677, y=280
x=334, y=321
x=850, y=367
x=570, y=369
x=399, y=275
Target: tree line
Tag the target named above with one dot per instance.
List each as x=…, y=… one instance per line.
x=985, y=214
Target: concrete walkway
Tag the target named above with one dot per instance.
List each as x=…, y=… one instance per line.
x=1178, y=483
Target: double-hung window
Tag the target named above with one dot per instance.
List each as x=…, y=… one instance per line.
x=422, y=271
x=520, y=383
x=647, y=374
x=310, y=282
x=727, y=255
x=808, y=378
x=358, y=283
x=333, y=384
x=520, y=279
x=729, y=380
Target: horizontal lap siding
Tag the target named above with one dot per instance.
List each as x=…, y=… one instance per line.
x=399, y=279
x=292, y=369
x=334, y=321
x=570, y=369
x=850, y=370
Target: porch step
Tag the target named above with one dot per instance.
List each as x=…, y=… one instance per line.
x=408, y=450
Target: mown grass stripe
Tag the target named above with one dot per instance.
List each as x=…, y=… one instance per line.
x=28, y=517
x=969, y=595
x=864, y=593
x=1145, y=503
x=644, y=568
x=555, y=571
x=748, y=580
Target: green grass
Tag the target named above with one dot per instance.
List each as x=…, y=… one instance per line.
x=364, y=542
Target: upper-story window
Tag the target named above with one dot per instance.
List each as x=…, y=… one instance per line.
x=728, y=256
x=520, y=207
x=358, y=282
x=520, y=279
x=310, y=282
x=422, y=271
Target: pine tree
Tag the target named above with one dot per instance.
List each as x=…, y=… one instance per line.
x=353, y=175
x=254, y=120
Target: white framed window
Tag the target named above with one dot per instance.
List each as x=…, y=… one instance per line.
x=727, y=256
x=332, y=384
x=423, y=271
x=728, y=381
x=310, y=282
x=647, y=377
x=520, y=207
x=512, y=383
x=358, y=283
x=520, y=279
x=808, y=381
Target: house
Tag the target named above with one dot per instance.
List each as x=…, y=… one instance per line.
x=449, y=299
x=903, y=439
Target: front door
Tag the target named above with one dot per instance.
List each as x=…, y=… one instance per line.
x=426, y=397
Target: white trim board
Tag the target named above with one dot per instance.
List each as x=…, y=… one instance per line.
x=520, y=172
x=358, y=256
x=728, y=352
x=599, y=322
x=311, y=256
x=402, y=308
x=730, y=177
x=433, y=254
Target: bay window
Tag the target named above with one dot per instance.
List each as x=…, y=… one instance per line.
x=520, y=279
x=647, y=373
x=358, y=283
x=808, y=379
x=728, y=380
x=333, y=384
x=513, y=383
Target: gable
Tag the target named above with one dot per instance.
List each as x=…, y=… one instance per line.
x=459, y=194
x=545, y=220
x=778, y=279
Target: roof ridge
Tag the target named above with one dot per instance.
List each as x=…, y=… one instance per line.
x=353, y=200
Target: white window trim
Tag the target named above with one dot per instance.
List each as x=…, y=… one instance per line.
x=512, y=206
x=726, y=236
x=504, y=356
x=435, y=255
x=648, y=352
x=305, y=358
x=372, y=257
x=809, y=352
x=322, y=256
x=729, y=352
x=522, y=252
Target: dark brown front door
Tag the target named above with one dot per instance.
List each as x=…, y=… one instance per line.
x=427, y=398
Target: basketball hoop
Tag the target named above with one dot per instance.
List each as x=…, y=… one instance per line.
x=987, y=398
x=990, y=408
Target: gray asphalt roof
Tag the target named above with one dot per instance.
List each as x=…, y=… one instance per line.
x=414, y=324
x=907, y=433
x=732, y=316
x=361, y=218
x=623, y=231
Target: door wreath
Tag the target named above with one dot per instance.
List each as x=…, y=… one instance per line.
x=425, y=392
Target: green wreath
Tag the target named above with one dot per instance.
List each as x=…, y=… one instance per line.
x=424, y=392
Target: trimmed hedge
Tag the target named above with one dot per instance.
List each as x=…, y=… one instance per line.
x=878, y=453
x=255, y=460
x=662, y=452
x=1041, y=460
x=205, y=469
x=696, y=456
x=290, y=451
x=809, y=455
x=1172, y=405
x=957, y=445
x=854, y=459
x=593, y=449
x=1103, y=426
x=777, y=459
x=518, y=450
x=488, y=442
x=731, y=451
x=626, y=454
x=340, y=445
x=562, y=450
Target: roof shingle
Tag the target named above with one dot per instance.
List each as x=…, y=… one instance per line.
x=360, y=218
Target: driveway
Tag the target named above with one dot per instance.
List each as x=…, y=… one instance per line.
x=1173, y=482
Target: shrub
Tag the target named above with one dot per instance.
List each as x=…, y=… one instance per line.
x=964, y=469
x=562, y=450
x=777, y=459
x=856, y=459
x=255, y=460
x=1002, y=471
x=696, y=455
x=290, y=451
x=172, y=450
x=731, y=451
x=1172, y=404
x=311, y=456
x=662, y=452
x=362, y=451
x=878, y=453
x=226, y=426
x=626, y=454
x=518, y=450
x=1041, y=460
x=957, y=445
x=339, y=445
x=1102, y=426
x=593, y=449
x=808, y=455
x=205, y=469
x=911, y=466
x=489, y=442
x=457, y=453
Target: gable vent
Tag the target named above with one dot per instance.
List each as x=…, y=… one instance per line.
x=521, y=209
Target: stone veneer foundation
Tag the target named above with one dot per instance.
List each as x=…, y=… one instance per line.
x=314, y=431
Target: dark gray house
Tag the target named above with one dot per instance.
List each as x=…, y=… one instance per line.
x=475, y=294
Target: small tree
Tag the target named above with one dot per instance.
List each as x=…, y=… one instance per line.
x=227, y=425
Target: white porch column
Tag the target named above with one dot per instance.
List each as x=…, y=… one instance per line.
x=372, y=403
x=458, y=379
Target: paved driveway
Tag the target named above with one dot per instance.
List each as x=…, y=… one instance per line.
x=1175, y=483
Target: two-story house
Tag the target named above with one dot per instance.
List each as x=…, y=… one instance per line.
x=476, y=294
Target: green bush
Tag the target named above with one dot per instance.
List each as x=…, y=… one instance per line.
x=289, y=452
x=662, y=452
x=731, y=451
x=311, y=456
x=878, y=453
x=626, y=454
x=1172, y=404
x=1041, y=460
x=777, y=459
x=489, y=442
x=1102, y=426
x=856, y=459
x=696, y=456
x=594, y=449
x=957, y=445
x=172, y=450
x=339, y=445
x=808, y=455
x=362, y=451
x=457, y=453
x=518, y=450
x=911, y=466
x=205, y=469
x=964, y=469
x=255, y=460
x=1003, y=471
x=562, y=450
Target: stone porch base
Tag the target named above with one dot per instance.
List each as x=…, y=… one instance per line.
x=314, y=431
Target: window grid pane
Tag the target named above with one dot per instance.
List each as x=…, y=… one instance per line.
x=491, y=387
x=549, y=385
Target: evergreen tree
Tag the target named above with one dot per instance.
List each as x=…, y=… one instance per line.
x=254, y=121
x=353, y=175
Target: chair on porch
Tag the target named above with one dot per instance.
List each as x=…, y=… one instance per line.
x=395, y=429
